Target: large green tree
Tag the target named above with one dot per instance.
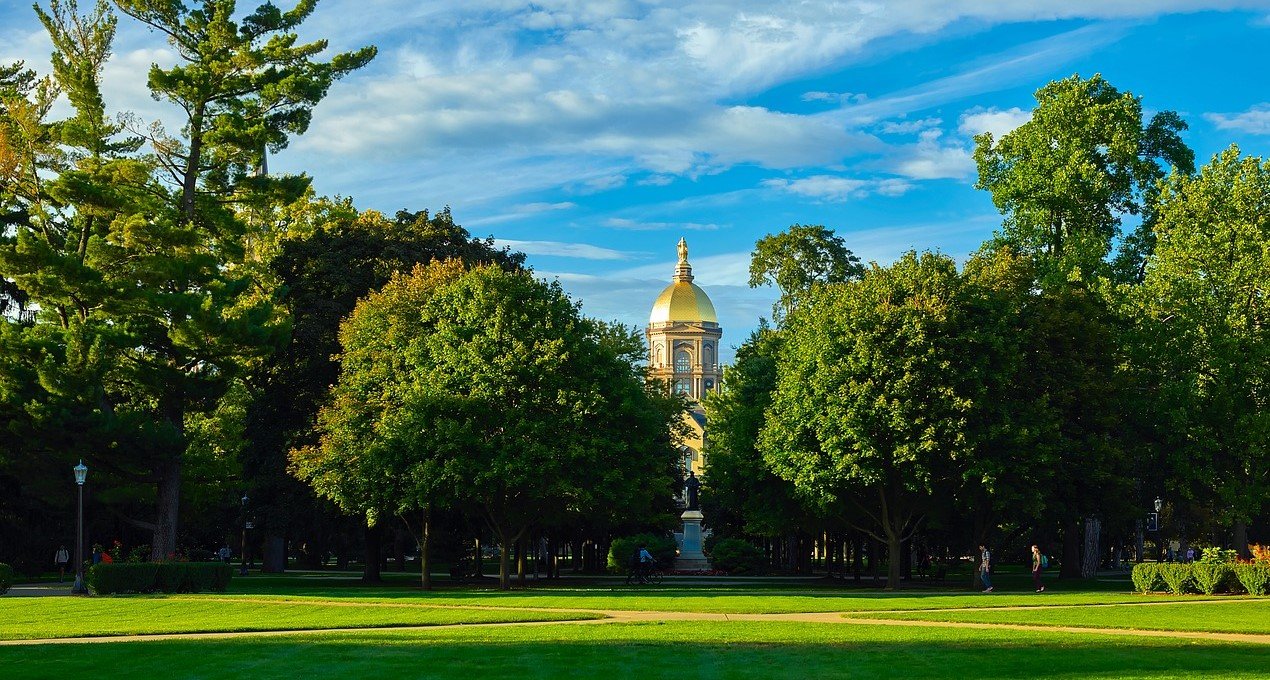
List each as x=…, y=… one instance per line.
x=799, y=257
x=1206, y=318
x=144, y=256
x=1067, y=178
x=872, y=396
x=335, y=257
x=488, y=388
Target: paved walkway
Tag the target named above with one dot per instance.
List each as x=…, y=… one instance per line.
x=629, y=616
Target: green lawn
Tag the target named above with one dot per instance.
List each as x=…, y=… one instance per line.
x=1240, y=616
x=672, y=650
x=745, y=598
x=47, y=617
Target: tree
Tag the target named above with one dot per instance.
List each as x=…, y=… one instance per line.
x=335, y=257
x=872, y=396
x=487, y=388
x=145, y=257
x=1205, y=314
x=1065, y=179
x=799, y=257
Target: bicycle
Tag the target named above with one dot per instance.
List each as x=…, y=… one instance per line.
x=652, y=575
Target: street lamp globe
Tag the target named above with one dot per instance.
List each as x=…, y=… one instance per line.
x=81, y=472
x=1159, y=504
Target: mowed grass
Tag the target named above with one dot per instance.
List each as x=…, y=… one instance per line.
x=1238, y=616
x=741, y=599
x=706, y=650
x=50, y=617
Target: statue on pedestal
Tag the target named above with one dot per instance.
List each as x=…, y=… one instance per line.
x=692, y=487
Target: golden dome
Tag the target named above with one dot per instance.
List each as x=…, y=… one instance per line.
x=683, y=301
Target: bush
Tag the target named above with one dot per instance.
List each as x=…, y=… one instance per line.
x=622, y=550
x=1218, y=556
x=736, y=556
x=6, y=578
x=1209, y=578
x=167, y=577
x=1255, y=577
x=1176, y=576
x=1146, y=577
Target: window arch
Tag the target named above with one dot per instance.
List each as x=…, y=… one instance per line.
x=683, y=387
x=707, y=357
x=683, y=362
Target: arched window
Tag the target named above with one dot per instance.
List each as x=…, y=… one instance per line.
x=707, y=357
x=657, y=359
x=683, y=387
x=683, y=362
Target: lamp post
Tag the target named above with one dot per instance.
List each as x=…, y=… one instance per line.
x=242, y=571
x=1159, y=505
x=81, y=474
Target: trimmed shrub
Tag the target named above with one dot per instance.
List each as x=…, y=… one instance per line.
x=736, y=556
x=1254, y=577
x=167, y=577
x=1177, y=577
x=1209, y=578
x=6, y=578
x=622, y=550
x=1146, y=577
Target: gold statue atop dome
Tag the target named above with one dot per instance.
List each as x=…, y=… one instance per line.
x=683, y=250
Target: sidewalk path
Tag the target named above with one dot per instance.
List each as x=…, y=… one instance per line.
x=625, y=616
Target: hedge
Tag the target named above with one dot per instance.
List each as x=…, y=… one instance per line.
x=6, y=578
x=737, y=556
x=1146, y=577
x=622, y=550
x=1205, y=578
x=165, y=577
x=1255, y=578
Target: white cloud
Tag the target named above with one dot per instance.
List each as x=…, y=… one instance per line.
x=834, y=189
x=637, y=225
x=560, y=249
x=908, y=127
x=997, y=121
x=657, y=181
x=1254, y=121
x=930, y=159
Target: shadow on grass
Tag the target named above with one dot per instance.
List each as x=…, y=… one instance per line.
x=694, y=650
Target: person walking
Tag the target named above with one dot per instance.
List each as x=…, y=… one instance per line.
x=985, y=568
x=1038, y=562
x=60, y=559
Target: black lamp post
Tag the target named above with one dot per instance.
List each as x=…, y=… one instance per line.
x=81, y=474
x=242, y=571
x=1159, y=505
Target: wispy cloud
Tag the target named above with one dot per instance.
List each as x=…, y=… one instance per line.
x=836, y=189
x=561, y=249
x=637, y=225
x=1254, y=121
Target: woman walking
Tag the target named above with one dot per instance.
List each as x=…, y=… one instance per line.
x=1036, y=569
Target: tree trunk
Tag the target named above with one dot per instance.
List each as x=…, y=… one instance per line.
x=857, y=563
x=1241, y=539
x=1092, y=553
x=163, y=547
x=370, y=572
x=425, y=544
x=520, y=561
x=894, y=559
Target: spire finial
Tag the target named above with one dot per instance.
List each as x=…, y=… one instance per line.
x=683, y=270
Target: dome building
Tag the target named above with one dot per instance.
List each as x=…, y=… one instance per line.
x=683, y=349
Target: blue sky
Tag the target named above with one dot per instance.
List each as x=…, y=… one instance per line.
x=592, y=134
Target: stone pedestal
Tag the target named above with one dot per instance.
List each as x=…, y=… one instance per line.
x=690, y=555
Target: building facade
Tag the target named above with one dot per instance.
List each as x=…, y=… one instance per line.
x=683, y=350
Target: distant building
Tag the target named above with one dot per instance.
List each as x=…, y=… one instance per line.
x=683, y=350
